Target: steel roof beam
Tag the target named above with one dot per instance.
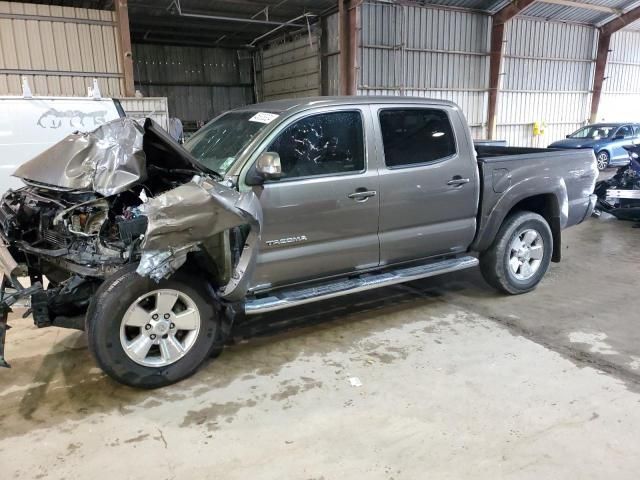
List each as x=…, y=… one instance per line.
x=620, y=22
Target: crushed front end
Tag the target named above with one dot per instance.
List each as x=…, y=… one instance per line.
x=74, y=239
x=620, y=194
x=121, y=194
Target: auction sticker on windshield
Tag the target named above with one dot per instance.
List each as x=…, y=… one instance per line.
x=263, y=117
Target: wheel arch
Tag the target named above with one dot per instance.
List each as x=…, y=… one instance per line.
x=546, y=205
x=552, y=204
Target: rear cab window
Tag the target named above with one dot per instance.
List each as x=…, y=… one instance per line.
x=416, y=136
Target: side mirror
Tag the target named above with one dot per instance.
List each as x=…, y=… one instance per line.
x=267, y=167
x=619, y=137
x=568, y=136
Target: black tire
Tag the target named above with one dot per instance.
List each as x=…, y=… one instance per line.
x=104, y=317
x=603, y=159
x=494, y=262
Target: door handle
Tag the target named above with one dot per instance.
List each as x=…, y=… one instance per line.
x=458, y=181
x=361, y=195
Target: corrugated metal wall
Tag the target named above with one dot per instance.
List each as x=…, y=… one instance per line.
x=59, y=49
x=291, y=67
x=547, y=75
x=200, y=83
x=426, y=52
x=621, y=89
x=331, y=56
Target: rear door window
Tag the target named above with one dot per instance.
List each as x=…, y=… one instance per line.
x=416, y=136
x=322, y=144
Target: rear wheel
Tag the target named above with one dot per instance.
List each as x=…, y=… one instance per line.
x=146, y=334
x=602, y=159
x=520, y=254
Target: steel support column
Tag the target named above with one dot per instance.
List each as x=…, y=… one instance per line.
x=495, y=58
x=495, y=63
x=348, y=21
x=125, y=54
x=598, y=78
x=604, y=43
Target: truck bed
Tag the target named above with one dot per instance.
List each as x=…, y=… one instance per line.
x=509, y=173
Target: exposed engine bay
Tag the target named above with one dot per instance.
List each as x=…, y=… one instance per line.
x=121, y=194
x=76, y=232
x=620, y=194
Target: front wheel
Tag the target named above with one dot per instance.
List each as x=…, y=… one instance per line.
x=602, y=159
x=520, y=254
x=146, y=334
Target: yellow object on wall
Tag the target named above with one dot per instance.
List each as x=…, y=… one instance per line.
x=538, y=128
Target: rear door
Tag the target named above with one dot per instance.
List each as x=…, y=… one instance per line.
x=321, y=218
x=428, y=183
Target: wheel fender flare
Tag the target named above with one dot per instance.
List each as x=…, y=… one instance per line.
x=528, y=187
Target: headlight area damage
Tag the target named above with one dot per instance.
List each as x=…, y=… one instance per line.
x=120, y=194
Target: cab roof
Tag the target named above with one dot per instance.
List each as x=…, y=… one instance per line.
x=291, y=104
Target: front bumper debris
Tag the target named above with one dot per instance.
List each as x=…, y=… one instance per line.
x=620, y=194
x=9, y=269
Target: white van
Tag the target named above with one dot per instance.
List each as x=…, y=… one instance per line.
x=28, y=126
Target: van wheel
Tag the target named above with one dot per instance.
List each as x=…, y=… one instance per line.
x=148, y=335
x=520, y=254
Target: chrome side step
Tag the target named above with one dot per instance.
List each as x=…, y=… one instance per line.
x=294, y=297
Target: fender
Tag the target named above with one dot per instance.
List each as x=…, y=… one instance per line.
x=493, y=215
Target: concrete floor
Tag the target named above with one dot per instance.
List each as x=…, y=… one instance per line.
x=457, y=382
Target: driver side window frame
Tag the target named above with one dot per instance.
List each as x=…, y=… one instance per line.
x=280, y=129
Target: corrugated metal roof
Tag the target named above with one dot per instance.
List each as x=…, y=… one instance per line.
x=562, y=13
x=488, y=6
x=153, y=21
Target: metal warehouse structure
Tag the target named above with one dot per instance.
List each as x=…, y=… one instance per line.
x=508, y=64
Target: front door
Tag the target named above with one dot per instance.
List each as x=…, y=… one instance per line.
x=321, y=217
x=428, y=184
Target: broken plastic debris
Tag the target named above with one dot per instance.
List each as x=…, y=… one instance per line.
x=355, y=382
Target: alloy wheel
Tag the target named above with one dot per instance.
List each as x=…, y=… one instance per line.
x=526, y=251
x=160, y=327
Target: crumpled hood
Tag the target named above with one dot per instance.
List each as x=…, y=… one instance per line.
x=117, y=156
x=575, y=143
x=108, y=160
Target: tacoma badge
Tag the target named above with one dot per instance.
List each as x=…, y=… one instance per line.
x=284, y=241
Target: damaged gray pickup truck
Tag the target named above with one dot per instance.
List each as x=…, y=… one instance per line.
x=155, y=250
